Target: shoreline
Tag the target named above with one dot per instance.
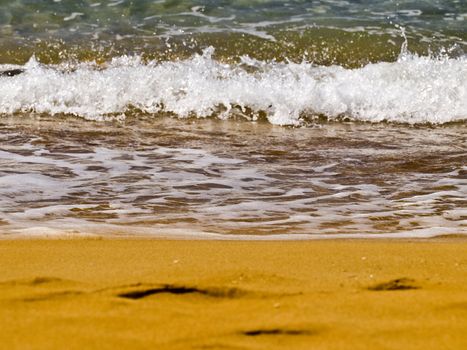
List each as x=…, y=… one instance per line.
x=168, y=238
x=205, y=294
x=184, y=234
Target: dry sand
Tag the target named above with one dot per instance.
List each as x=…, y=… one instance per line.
x=156, y=294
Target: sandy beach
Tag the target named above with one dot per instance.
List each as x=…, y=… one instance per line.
x=161, y=294
x=233, y=175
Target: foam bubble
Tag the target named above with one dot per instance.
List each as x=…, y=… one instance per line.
x=411, y=90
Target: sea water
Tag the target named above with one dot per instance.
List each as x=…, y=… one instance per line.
x=233, y=119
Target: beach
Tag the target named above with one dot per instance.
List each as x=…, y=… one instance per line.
x=192, y=174
x=197, y=294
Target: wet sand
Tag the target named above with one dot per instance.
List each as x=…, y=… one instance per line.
x=160, y=294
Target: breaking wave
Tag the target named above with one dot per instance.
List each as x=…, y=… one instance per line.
x=412, y=90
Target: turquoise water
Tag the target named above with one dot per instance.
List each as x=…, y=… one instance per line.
x=165, y=18
x=349, y=32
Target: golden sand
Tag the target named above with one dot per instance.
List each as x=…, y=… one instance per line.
x=156, y=294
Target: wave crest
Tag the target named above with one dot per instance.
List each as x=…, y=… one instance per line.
x=411, y=90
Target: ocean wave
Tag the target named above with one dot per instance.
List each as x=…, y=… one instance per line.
x=413, y=89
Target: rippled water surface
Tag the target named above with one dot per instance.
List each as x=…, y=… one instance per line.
x=234, y=177
x=349, y=33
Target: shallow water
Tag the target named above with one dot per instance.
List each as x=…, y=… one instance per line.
x=157, y=176
x=233, y=119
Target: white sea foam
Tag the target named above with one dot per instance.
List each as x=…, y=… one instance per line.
x=411, y=90
x=102, y=230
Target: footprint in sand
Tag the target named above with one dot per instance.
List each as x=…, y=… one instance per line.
x=39, y=288
x=277, y=331
x=216, y=292
x=395, y=284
